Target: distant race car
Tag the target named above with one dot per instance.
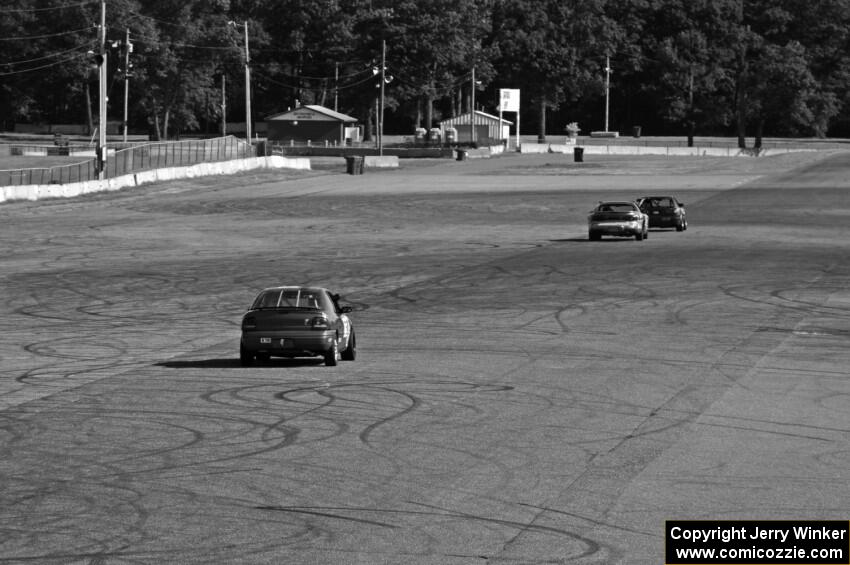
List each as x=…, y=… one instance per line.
x=664, y=212
x=297, y=321
x=620, y=219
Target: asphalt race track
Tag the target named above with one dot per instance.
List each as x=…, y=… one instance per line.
x=521, y=395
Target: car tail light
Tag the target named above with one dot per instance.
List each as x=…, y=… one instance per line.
x=249, y=323
x=319, y=323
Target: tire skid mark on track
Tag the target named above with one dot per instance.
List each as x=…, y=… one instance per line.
x=497, y=427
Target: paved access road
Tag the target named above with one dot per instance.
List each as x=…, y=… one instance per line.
x=521, y=395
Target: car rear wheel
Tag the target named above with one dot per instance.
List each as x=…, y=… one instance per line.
x=332, y=355
x=246, y=358
x=350, y=352
x=594, y=236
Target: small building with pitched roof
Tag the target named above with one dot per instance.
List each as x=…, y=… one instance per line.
x=312, y=123
x=486, y=126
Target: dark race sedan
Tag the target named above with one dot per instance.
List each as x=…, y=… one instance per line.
x=297, y=321
x=664, y=212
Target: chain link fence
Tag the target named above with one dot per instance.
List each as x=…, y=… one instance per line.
x=133, y=159
x=63, y=174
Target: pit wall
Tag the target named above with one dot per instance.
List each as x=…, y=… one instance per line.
x=483, y=152
x=41, y=191
x=653, y=150
x=380, y=162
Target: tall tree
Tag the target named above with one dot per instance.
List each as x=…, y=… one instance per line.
x=782, y=88
x=773, y=80
x=553, y=49
x=180, y=59
x=309, y=42
x=825, y=34
x=434, y=47
x=690, y=55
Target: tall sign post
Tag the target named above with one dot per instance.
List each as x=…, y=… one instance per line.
x=509, y=102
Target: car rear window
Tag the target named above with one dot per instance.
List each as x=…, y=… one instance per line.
x=288, y=298
x=660, y=203
x=622, y=208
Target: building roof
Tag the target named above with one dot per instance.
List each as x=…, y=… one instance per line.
x=480, y=118
x=312, y=112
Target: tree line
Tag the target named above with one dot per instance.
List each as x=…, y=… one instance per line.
x=748, y=68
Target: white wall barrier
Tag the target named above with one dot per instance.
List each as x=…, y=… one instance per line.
x=41, y=191
x=381, y=161
x=654, y=150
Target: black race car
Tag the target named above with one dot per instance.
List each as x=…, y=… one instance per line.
x=664, y=212
x=297, y=321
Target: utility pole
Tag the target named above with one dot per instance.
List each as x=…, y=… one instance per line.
x=247, y=82
x=381, y=113
x=101, y=143
x=247, y=87
x=336, y=86
x=472, y=109
x=223, y=105
x=607, y=88
x=128, y=47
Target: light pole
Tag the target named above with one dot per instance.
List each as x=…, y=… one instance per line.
x=223, y=105
x=128, y=48
x=472, y=109
x=101, y=140
x=607, y=88
x=381, y=112
x=247, y=83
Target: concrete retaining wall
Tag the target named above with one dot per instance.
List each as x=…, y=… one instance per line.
x=484, y=152
x=380, y=161
x=653, y=150
x=41, y=191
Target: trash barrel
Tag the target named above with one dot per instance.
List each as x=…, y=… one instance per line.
x=462, y=154
x=578, y=154
x=354, y=165
x=636, y=131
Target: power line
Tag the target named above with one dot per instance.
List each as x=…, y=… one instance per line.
x=48, y=9
x=48, y=56
x=28, y=37
x=42, y=67
x=151, y=41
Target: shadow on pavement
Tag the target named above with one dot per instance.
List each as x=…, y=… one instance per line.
x=234, y=363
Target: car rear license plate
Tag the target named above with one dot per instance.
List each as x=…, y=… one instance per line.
x=265, y=340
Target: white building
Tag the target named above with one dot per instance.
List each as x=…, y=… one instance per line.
x=487, y=126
